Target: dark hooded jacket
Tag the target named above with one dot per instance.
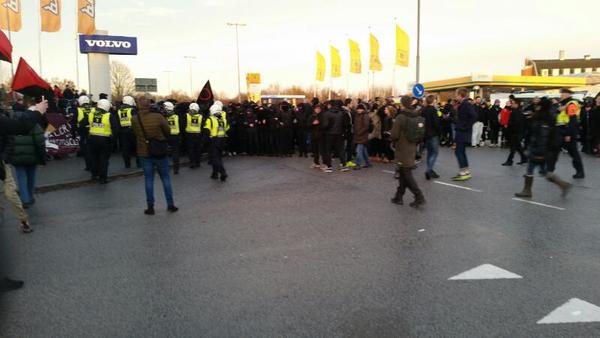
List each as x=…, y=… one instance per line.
x=405, y=151
x=333, y=121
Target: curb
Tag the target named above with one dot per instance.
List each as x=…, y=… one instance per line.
x=83, y=183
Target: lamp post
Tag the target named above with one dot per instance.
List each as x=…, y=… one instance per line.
x=237, y=47
x=168, y=72
x=418, y=39
x=190, y=60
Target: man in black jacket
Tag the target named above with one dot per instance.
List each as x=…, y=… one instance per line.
x=516, y=127
x=493, y=114
x=333, y=129
x=433, y=130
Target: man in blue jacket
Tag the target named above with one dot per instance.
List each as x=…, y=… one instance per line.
x=466, y=117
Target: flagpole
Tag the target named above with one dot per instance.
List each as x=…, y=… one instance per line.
x=418, y=39
x=40, y=43
x=77, y=59
x=12, y=67
x=394, y=64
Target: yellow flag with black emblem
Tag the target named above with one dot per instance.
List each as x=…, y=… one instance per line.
x=374, y=63
x=336, y=62
x=355, y=64
x=321, y=64
x=402, y=47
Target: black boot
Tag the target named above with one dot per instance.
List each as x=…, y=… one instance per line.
x=526, y=188
x=564, y=186
x=7, y=284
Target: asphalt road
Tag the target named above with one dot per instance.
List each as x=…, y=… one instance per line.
x=283, y=250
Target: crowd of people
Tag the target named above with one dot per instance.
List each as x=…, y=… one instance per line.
x=356, y=133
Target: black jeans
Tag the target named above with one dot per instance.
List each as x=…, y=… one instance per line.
x=406, y=180
x=316, y=144
x=515, y=146
x=333, y=143
x=252, y=145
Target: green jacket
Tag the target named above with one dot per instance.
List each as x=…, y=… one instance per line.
x=27, y=150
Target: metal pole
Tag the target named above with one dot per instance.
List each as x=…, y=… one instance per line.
x=190, y=58
x=40, y=43
x=418, y=39
x=168, y=81
x=237, y=47
x=77, y=58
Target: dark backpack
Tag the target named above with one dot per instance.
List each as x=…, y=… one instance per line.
x=414, y=129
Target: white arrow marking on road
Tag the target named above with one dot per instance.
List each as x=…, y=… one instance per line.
x=573, y=311
x=457, y=186
x=539, y=204
x=388, y=172
x=485, y=271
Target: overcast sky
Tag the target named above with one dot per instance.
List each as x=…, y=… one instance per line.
x=458, y=37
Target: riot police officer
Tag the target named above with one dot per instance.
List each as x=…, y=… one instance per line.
x=84, y=109
x=174, y=138
x=101, y=126
x=193, y=134
x=126, y=136
x=217, y=127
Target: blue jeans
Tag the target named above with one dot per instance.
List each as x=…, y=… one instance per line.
x=461, y=155
x=26, y=182
x=151, y=165
x=433, y=145
x=362, y=155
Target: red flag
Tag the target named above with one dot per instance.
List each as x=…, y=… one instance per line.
x=5, y=48
x=28, y=82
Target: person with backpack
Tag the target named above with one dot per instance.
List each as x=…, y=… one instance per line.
x=465, y=118
x=543, y=141
x=408, y=130
x=151, y=132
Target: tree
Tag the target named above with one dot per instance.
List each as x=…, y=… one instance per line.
x=122, y=80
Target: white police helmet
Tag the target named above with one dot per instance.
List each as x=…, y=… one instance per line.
x=128, y=100
x=104, y=104
x=194, y=107
x=168, y=106
x=83, y=99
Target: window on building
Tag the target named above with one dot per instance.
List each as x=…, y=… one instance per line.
x=555, y=72
x=589, y=70
x=544, y=72
x=566, y=71
x=577, y=71
x=598, y=69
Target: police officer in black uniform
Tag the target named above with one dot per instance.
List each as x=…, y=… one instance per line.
x=127, y=140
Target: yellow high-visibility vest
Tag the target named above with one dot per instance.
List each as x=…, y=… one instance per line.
x=83, y=112
x=125, y=117
x=100, y=124
x=439, y=113
x=563, y=118
x=173, y=124
x=218, y=127
x=194, y=124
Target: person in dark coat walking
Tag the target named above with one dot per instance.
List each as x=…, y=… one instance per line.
x=333, y=128
x=514, y=131
x=465, y=118
x=405, y=155
x=317, y=140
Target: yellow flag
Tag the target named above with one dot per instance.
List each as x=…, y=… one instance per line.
x=50, y=11
x=374, y=63
x=321, y=64
x=355, y=65
x=402, y=47
x=86, y=12
x=336, y=62
x=10, y=15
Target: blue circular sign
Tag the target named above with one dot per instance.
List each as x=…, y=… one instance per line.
x=418, y=90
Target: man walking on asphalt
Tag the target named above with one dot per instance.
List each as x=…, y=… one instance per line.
x=407, y=129
x=466, y=117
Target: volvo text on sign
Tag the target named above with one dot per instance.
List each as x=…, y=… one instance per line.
x=121, y=45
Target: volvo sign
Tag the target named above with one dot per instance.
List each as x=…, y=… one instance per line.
x=107, y=44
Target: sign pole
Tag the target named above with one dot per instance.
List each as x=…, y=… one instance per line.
x=418, y=39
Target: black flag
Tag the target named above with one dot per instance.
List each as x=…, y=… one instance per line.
x=206, y=95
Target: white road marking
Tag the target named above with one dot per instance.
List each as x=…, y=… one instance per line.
x=388, y=172
x=486, y=271
x=457, y=186
x=573, y=311
x=539, y=204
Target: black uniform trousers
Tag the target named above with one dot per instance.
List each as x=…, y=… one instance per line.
x=217, y=145
x=252, y=145
x=174, y=149
x=99, y=151
x=515, y=146
x=128, y=144
x=194, y=149
x=333, y=143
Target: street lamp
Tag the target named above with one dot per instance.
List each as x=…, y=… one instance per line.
x=168, y=72
x=237, y=46
x=190, y=60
